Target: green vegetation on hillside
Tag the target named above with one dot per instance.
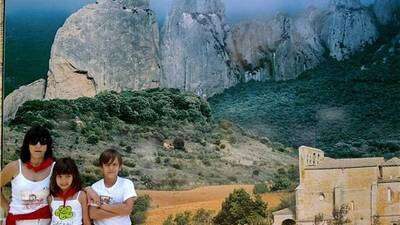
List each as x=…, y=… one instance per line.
x=348, y=108
x=155, y=107
x=142, y=125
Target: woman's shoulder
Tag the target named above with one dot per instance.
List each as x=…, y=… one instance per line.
x=12, y=166
x=9, y=171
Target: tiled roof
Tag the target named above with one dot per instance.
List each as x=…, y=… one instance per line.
x=392, y=162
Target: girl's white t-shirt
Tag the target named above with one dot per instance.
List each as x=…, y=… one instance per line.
x=117, y=194
x=70, y=214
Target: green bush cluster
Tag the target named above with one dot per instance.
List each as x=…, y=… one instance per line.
x=261, y=188
x=240, y=208
x=285, y=179
x=106, y=115
x=137, y=107
x=201, y=217
x=140, y=207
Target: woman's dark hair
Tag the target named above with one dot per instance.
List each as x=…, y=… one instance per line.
x=65, y=166
x=33, y=136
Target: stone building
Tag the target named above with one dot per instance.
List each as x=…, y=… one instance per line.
x=368, y=187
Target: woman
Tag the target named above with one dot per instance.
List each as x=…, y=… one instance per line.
x=30, y=180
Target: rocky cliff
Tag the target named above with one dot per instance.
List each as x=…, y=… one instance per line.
x=284, y=47
x=347, y=28
x=110, y=45
x=115, y=45
x=193, y=48
x=279, y=49
x=386, y=10
x=14, y=100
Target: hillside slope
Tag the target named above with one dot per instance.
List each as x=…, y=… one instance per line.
x=139, y=124
x=348, y=108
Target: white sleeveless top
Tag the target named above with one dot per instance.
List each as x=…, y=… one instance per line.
x=28, y=196
x=71, y=214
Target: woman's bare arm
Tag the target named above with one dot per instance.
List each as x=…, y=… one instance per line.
x=6, y=175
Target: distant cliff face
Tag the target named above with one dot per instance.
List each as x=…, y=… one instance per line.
x=13, y=101
x=110, y=45
x=284, y=47
x=347, y=28
x=193, y=48
x=386, y=10
x=279, y=49
x=115, y=45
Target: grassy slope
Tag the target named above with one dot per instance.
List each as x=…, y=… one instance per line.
x=349, y=108
x=137, y=123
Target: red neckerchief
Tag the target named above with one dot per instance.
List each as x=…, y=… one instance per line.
x=46, y=163
x=67, y=194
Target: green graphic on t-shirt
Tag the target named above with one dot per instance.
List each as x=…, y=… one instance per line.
x=64, y=212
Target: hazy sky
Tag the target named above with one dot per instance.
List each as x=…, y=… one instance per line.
x=235, y=9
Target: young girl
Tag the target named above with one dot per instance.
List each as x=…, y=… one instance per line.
x=67, y=202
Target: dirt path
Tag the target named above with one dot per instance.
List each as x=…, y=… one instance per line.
x=165, y=203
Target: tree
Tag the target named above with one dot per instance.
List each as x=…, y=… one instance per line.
x=240, y=208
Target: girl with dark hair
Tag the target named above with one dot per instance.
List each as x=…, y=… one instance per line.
x=67, y=202
x=30, y=180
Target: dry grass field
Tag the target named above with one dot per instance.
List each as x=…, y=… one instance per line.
x=164, y=203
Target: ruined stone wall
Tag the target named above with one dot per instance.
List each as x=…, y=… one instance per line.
x=388, y=202
x=391, y=172
x=309, y=157
x=322, y=190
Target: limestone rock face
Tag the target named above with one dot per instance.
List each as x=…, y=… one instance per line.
x=299, y=48
x=279, y=49
x=16, y=98
x=193, y=48
x=385, y=10
x=110, y=45
x=347, y=27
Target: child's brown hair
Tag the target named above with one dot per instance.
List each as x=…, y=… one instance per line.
x=65, y=166
x=108, y=156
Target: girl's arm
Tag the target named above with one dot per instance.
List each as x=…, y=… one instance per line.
x=92, y=196
x=85, y=209
x=6, y=175
x=49, y=199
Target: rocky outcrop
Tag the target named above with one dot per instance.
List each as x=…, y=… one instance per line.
x=114, y=45
x=110, y=45
x=280, y=49
x=385, y=10
x=347, y=28
x=16, y=98
x=193, y=49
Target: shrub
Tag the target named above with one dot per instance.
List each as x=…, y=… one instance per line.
x=260, y=188
x=93, y=139
x=179, y=143
x=240, y=208
x=140, y=207
x=201, y=217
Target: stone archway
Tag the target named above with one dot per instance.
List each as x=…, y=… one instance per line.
x=288, y=222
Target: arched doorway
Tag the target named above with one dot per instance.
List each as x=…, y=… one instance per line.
x=288, y=222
